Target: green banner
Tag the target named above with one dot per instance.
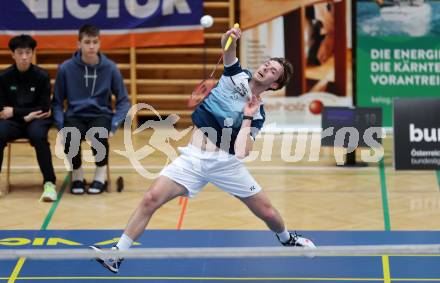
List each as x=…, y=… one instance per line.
x=397, y=52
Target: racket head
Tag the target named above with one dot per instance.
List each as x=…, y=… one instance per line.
x=201, y=91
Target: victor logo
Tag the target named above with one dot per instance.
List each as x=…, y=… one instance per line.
x=425, y=134
x=40, y=8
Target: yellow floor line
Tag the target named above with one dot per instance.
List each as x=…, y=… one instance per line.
x=386, y=269
x=16, y=270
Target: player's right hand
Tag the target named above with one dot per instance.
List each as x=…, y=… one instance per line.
x=235, y=33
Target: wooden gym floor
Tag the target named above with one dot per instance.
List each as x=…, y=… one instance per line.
x=310, y=195
x=333, y=205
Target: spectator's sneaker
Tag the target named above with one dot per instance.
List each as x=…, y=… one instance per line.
x=111, y=264
x=97, y=187
x=297, y=241
x=49, y=193
x=78, y=187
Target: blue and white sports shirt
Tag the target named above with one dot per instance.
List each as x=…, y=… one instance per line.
x=222, y=111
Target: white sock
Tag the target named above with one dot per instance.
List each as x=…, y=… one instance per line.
x=124, y=243
x=78, y=174
x=101, y=174
x=284, y=236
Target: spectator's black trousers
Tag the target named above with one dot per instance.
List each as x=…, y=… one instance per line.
x=95, y=126
x=36, y=131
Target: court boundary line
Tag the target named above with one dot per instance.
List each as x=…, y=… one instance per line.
x=386, y=219
x=384, y=194
x=55, y=204
x=386, y=269
x=16, y=270
x=21, y=260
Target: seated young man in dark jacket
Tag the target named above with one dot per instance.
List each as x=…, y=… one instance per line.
x=24, y=108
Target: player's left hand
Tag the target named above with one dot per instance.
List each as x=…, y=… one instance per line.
x=252, y=106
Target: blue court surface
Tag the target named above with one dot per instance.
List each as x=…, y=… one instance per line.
x=414, y=268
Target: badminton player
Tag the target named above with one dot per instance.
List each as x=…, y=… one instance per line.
x=226, y=124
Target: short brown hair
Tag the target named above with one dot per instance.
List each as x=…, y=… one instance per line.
x=287, y=72
x=90, y=30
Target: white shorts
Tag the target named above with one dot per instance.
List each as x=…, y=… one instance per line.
x=194, y=168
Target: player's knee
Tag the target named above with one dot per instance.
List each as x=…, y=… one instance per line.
x=150, y=201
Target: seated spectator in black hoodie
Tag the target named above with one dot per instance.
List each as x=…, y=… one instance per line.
x=24, y=108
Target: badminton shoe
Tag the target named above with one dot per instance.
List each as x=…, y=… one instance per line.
x=297, y=241
x=111, y=264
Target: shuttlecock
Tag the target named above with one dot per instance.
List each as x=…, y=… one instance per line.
x=207, y=21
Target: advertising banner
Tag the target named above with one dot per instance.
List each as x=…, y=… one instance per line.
x=417, y=134
x=397, y=52
x=123, y=23
x=299, y=112
x=286, y=112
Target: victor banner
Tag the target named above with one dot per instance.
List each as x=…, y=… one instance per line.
x=123, y=23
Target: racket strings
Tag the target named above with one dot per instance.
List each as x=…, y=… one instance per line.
x=216, y=66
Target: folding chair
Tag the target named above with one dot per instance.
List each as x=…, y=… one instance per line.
x=8, y=165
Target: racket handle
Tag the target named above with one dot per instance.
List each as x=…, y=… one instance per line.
x=229, y=42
